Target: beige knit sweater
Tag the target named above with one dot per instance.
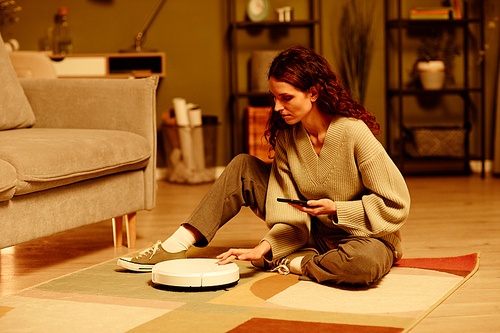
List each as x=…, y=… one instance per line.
x=353, y=169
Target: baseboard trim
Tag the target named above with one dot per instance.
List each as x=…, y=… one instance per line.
x=476, y=166
x=162, y=173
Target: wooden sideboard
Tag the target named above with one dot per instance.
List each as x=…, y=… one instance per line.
x=110, y=65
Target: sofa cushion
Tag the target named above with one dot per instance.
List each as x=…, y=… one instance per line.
x=45, y=158
x=8, y=180
x=15, y=111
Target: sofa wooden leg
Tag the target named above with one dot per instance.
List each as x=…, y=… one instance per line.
x=131, y=229
x=117, y=230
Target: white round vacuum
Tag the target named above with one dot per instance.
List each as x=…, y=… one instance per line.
x=194, y=272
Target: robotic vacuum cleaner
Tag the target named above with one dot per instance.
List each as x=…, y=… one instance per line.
x=192, y=272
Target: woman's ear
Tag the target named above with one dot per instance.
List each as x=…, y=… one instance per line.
x=314, y=93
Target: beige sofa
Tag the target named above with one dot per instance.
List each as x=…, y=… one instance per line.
x=74, y=152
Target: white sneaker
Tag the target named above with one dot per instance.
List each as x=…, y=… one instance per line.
x=145, y=261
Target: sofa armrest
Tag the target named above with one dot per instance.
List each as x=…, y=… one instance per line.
x=113, y=104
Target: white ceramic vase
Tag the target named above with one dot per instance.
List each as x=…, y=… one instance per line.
x=432, y=74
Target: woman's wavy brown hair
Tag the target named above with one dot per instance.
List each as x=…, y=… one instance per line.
x=303, y=68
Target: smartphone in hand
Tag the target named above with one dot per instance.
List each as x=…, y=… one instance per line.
x=294, y=201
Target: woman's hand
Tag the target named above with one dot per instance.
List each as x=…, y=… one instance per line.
x=318, y=207
x=244, y=254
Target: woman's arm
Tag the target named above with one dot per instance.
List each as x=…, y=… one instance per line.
x=384, y=208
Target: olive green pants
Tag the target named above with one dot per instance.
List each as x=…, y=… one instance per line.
x=244, y=183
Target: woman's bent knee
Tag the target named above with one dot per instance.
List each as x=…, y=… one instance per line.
x=245, y=159
x=247, y=166
x=345, y=266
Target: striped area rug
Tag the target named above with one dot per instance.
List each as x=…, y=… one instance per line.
x=104, y=298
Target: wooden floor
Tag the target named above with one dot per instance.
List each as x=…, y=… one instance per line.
x=449, y=216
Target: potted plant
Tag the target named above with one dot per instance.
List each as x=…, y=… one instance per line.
x=432, y=74
x=356, y=44
x=434, y=65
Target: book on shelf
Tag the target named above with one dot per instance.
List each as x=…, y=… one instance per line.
x=436, y=13
x=458, y=13
x=432, y=13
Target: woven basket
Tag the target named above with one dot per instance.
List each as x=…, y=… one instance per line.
x=438, y=142
x=256, y=125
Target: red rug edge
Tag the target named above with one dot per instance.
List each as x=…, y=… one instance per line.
x=262, y=325
x=459, y=265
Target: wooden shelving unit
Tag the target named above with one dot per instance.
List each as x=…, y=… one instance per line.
x=399, y=29
x=245, y=36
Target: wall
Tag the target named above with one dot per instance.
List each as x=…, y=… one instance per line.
x=375, y=100
x=192, y=33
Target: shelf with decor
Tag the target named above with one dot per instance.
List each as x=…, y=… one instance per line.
x=256, y=33
x=435, y=126
x=404, y=23
x=298, y=23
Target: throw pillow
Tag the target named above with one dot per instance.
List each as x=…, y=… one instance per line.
x=15, y=110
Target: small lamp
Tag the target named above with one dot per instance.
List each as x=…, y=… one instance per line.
x=138, y=40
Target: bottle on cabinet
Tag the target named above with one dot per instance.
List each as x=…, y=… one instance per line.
x=61, y=39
